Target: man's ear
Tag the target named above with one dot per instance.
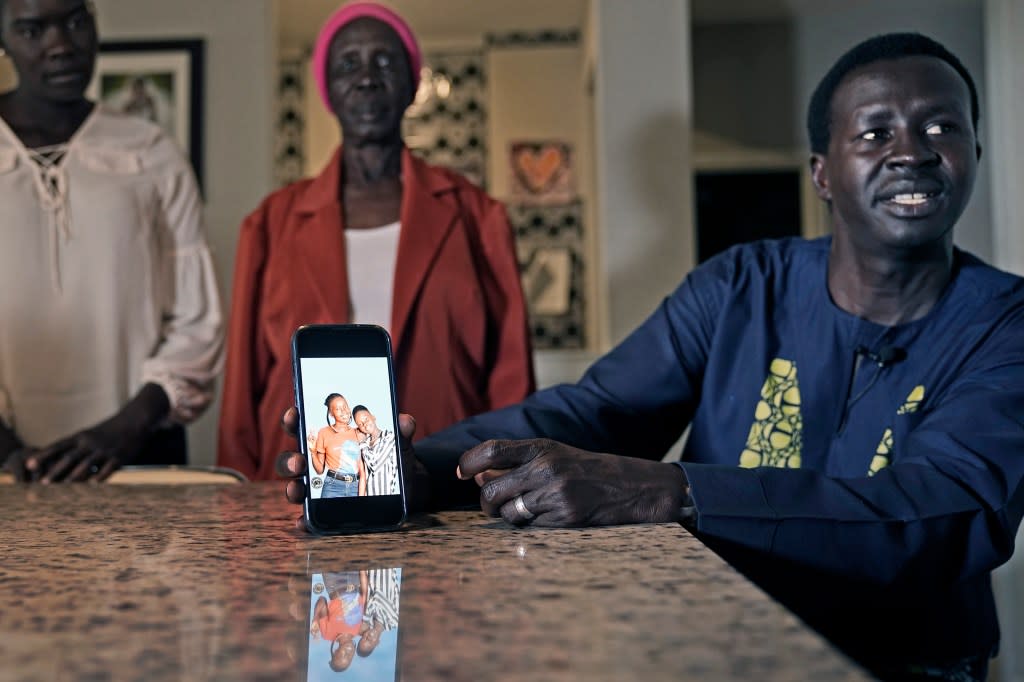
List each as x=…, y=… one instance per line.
x=820, y=178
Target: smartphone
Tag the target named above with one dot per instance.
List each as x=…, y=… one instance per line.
x=348, y=428
x=353, y=624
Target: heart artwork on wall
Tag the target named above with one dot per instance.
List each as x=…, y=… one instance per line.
x=541, y=172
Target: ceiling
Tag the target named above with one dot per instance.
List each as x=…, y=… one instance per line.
x=467, y=21
x=436, y=21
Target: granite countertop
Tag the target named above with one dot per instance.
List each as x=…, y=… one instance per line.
x=214, y=582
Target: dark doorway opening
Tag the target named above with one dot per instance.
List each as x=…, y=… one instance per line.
x=734, y=207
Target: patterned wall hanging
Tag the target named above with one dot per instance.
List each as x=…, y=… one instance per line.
x=289, y=156
x=447, y=124
x=549, y=245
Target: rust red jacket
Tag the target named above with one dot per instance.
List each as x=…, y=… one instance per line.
x=459, y=330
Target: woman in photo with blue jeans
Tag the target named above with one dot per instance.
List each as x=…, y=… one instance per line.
x=337, y=450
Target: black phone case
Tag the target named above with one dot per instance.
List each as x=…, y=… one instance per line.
x=335, y=332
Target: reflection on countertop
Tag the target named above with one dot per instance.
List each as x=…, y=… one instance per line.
x=213, y=582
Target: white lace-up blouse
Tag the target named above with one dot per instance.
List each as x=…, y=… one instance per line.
x=106, y=280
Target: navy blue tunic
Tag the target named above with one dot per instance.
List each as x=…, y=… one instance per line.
x=870, y=477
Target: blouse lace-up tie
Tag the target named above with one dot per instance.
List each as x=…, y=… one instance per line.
x=52, y=186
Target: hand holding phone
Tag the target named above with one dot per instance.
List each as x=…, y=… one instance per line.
x=348, y=415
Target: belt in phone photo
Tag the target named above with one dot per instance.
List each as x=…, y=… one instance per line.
x=345, y=478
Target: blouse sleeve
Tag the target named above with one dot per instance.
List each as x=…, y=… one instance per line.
x=189, y=356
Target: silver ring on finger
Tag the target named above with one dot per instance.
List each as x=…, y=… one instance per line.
x=522, y=511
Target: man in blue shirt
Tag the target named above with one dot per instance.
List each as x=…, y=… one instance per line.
x=856, y=403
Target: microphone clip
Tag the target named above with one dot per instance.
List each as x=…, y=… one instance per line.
x=885, y=357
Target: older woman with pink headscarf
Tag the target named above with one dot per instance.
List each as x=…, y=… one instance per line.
x=379, y=237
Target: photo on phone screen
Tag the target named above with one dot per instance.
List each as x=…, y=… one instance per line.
x=348, y=427
x=353, y=624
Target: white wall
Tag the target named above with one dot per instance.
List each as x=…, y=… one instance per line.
x=823, y=32
x=533, y=93
x=537, y=93
x=1005, y=62
x=643, y=119
x=1004, y=24
x=240, y=74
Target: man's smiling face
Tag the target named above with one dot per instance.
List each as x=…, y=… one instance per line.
x=902, y=156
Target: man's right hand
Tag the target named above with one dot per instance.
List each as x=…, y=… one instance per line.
x=292, y=465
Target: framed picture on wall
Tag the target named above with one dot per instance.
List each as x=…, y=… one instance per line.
x=542, y=173
x=160, y=81
x=549, y=247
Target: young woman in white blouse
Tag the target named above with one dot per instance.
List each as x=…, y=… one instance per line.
x=110, y=324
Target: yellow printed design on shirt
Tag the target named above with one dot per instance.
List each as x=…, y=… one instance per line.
x=883, y=453
x=776, y=436
x=913, y=401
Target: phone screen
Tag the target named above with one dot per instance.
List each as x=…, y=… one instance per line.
x=349, y=427
x=353, y=624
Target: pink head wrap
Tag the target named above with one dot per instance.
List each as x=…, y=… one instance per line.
x=349, y=13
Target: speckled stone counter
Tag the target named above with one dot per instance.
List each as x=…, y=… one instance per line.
x=212, y=583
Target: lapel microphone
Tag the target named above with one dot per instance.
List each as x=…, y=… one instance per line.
x=885, y=357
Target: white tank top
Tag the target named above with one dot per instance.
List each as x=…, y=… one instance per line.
x=371, y=273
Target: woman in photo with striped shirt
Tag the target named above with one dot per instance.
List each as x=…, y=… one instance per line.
x=380, y=458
